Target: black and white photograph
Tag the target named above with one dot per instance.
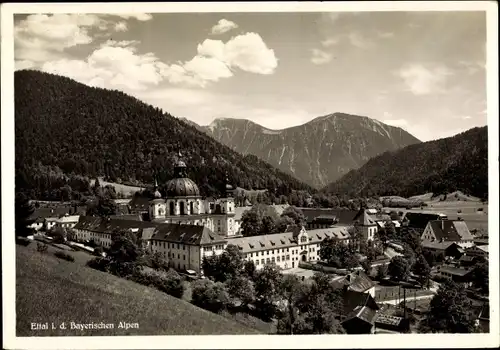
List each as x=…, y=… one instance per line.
x=283, y=172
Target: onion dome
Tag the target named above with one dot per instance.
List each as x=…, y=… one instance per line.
x=182, y=187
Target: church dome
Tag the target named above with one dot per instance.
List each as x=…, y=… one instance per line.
x=182, y=187
x=157, y=194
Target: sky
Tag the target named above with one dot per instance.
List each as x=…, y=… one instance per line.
x=422, y=71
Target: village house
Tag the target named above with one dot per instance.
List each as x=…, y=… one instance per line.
x=67, y=221
x=477, y=251
x=455, y=231
x=358, y=313
x=449, y=249
x=456, y=274
x=356, y=281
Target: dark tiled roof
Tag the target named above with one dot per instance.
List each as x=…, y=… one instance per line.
x=186, y=234
x=450, y=230
x=139, y=203
x=42, y=213
x=364, y=219
x=353, y=299
x=344, y=217
x=134, y=217
x=363, y=313
x=357, y=281
x=105, y=225
x=437, y=245
x=454, y=271
x=419, y=220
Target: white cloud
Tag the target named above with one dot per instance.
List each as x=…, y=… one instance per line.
x=386, y=35
x=330, y=42
x=320, y=57
x=121, y=43
x=111, y=67
x=41, y=37
x=466, y=117
x=138, y=16
x=24, y=64
x=247, y=52
x=424, y=80
x=208, y=68
x=223, y=26
x=121, y=26
x=358, y=40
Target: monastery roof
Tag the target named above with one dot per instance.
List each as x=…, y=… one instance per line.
x=133, y=217
x=286, y=239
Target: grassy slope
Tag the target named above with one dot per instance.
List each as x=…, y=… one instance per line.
x=53, y=290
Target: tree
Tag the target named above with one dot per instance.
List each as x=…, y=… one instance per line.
x=422, y=269
x=266, y=283
x=335, y=253
x=296, y=214
x=241, y=289
x=450, y=311
x=480, y=276
x=412, y=238
x=210, y=295
x=291, y=289
x=381, y=272
x=284, y=223
x=59, y=234
x=249, y=269
x=386, y=233
x=23, y=211
x=124, y=253
x=399, y=269
x=225, y=266
x=103, y=206
x=251, y=223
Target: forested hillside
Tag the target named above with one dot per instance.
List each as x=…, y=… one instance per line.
x=446, y=165
x=64, y=129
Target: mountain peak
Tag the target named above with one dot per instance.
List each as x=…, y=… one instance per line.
x=317, y=152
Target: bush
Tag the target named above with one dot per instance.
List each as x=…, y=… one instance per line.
x=169, y=282
x=64, y=256
x=211, y=296
x=41, y=247
x=98, y=251
x=23, y=241
x=100, y=264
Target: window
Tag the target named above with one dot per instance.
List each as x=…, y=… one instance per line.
x=288, y=257
x=267, y=252
x=272, y=252
x=177, y=245
x=183, y=247
x=268, y=261
x=262, y=261
x=178, y=256
x=277, y=259
x=183, y=257
x=287, y=249
x=257, y=262
x=303, y=239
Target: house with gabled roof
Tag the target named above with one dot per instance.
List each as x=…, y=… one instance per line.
x=356, y=281
x=455, y=231
x=359, y=312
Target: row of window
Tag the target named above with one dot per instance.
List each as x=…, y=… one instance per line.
x=172, y=256
x=296, y=251
x=168, y=245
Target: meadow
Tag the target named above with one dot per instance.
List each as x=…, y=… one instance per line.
x=50, y=290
